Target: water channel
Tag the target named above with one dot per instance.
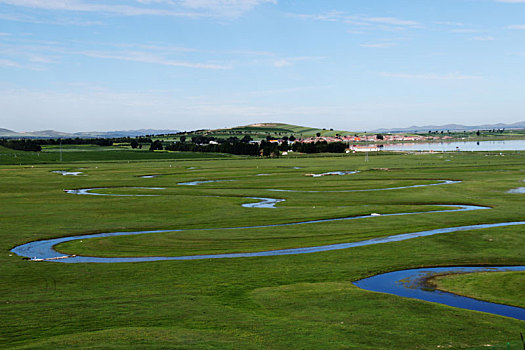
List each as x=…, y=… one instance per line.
x=413, y=284
x=406, y=283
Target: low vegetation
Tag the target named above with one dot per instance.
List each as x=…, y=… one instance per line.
x=296, y=301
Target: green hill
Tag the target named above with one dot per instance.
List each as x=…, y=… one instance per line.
x=262, y=130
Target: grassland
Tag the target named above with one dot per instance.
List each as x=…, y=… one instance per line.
x=301, y=301
x=504, y=288
x=93, y=153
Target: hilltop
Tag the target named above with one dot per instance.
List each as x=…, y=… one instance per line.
x=262, y=130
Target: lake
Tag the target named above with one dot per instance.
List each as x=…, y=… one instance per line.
x=508, y=145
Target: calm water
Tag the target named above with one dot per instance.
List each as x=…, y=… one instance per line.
x=510, y=145
x=45, y=249
x=412, y=284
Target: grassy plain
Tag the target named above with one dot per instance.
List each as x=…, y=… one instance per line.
x=301, y=301
x=92, y=153
x=504, y=287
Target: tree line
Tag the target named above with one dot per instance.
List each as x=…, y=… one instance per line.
x=265, y=148
x=35, y=145
x=22, y=145
x=200, y=143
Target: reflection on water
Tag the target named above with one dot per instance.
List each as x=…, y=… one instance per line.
x=509, y=145
x=333, y=173
x=195, y=183
x=90, y=191
x=413, y=284
x=66, y=173
x=517, y=190
x=44, y=249
x=264, y=202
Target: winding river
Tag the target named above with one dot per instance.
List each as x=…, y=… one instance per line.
x=406, y=283
x=413, y=284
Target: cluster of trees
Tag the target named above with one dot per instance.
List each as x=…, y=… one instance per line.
x=201, y=143
x=231, y=146
x=36, y=144
x=22, y=145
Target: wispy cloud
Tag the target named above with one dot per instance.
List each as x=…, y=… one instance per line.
x=146, y=57
x=36, y=54
x=6, y=63
x=450, y=24
x=383, y=45
x=465, y=31
x=387, y=23
x=290, y=61
x=39, y=20
x=429, y=76
x=517, y=26
x=225, y=7
x=512, y=1
x=483, y=38
x=183, y=8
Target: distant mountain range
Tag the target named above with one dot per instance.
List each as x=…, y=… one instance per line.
x=455, y=127
x=270, y=128
x=52, y=134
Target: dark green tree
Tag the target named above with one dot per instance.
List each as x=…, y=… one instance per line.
x=156, y=145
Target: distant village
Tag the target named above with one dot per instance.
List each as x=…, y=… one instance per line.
x=363, y=143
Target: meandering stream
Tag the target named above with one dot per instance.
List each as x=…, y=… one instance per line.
x=413, y=284
x=406, y=283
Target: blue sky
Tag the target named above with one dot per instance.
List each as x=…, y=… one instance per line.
x=81, y=65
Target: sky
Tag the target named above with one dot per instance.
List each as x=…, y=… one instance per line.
x=86, y=65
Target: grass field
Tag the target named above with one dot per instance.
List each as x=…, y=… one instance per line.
x=296, y=301
x=504, y=288
x=92, y=153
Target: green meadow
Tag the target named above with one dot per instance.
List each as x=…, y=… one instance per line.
x=297, y=301
x=504, y=288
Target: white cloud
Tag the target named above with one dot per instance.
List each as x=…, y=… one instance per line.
x=6, y=63
x=384, y=45
x=392, y=21
x=451, y=24
x=9, y=63
x=79, y=6
x=465, y=31
x=147, y=57
x=182, y=8
x=31, y=19
x=225, y=7
x=429, y=76
x=517, y=26
x=290, y=61
x=42, y=52
x=388, y=23
x=483, y=38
